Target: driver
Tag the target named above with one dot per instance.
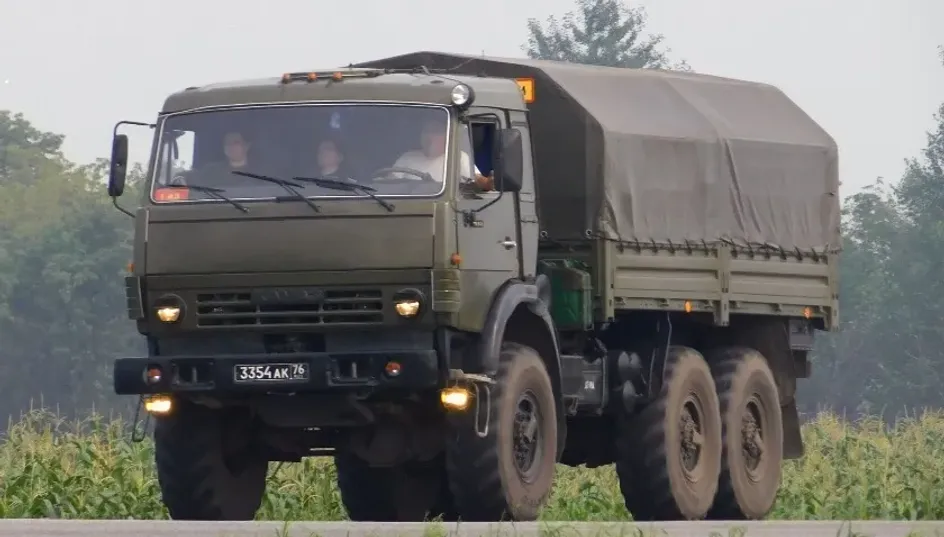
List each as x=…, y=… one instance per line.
x=236, y=149
x=219, y=174
x=429, y=158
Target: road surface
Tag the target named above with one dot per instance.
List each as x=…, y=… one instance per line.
x=144, y=528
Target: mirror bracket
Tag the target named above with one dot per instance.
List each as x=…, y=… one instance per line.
x=114, y=201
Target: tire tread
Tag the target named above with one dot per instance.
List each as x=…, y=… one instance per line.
x=642, y=464
x=726, y=365
x=473, y=467
x=189, y=460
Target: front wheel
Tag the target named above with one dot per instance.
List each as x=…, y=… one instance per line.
x=507, y=473
x=205, y=465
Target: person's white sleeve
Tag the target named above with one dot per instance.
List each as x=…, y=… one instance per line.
x=402, y=162
x=466, y=162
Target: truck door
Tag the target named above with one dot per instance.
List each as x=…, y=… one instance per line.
x=488, y=239
x=527, y=209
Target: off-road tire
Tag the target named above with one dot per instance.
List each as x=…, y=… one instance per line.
x=199, y=480
x=651, y=472
x=364, y=490
x=747, y=391
x=482, y=472
x=411, y=492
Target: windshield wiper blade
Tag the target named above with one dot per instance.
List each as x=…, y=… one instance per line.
x=287, y=185
x=343, y=185
x=215, y=192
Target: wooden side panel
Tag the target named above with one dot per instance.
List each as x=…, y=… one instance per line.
x=663, y=274
x=787, y=281
x=722, y=281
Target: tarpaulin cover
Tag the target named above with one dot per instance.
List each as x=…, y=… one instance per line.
x=647, y=155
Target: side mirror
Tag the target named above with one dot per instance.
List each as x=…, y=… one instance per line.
x=509, y=165
x=118, y=171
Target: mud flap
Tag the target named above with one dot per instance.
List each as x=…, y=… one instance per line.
x=792, y=440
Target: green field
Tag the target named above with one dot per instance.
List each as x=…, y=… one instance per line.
x=850, y=471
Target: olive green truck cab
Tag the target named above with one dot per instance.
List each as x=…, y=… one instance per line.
x=452, y=274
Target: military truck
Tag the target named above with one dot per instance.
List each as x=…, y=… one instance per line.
x=452, y=273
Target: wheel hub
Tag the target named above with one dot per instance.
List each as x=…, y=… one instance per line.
x=527, y=436
x=691, y=439
x=752, y=439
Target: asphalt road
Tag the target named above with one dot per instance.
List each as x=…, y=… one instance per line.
x=144, y=528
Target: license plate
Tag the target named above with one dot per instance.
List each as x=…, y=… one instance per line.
x=270, y=373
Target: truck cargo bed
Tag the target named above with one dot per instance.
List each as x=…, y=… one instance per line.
x=721, y=279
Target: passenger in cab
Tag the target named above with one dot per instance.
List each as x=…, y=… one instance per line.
x=331, y=161
x=236, y=148
x=429, y=158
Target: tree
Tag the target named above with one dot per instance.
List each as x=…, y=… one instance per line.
x=603, y=32
x=62, y=252
x=889, y=355
x=848, y=373
x=25, y=151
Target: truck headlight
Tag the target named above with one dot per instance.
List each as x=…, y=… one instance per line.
x=169, y=309
x=168, y=314
x=462, y=96
x=407, y=308
x=408, y=303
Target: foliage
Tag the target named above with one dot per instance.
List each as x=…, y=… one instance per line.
x=62, y=252
x=53, y=468
x=602, y=32
x=889, y=355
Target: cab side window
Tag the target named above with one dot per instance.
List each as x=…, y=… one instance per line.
x=483, y=139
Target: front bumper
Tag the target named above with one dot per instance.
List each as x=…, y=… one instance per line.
x=326, y=372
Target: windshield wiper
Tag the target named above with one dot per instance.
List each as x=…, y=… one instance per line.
x=287, y=185
x=215, y=192
x=350, y=187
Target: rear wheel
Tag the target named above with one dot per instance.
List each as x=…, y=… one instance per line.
x=206, y=467
x=753, y=435
x=411, y=492
x=507, y=474
x=669, y=455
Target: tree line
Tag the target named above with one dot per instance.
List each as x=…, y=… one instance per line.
x=64, y=249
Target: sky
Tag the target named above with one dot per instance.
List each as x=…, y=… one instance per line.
x=868, y=71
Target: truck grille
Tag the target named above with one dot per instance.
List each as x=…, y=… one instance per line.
x=337, y=307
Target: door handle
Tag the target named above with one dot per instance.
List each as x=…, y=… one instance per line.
x=508, y=243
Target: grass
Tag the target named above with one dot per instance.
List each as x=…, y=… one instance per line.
x=58, y=469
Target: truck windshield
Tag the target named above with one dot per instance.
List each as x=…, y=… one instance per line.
x=396, y=150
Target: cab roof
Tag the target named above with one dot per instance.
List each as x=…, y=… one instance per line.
x=350, y=84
